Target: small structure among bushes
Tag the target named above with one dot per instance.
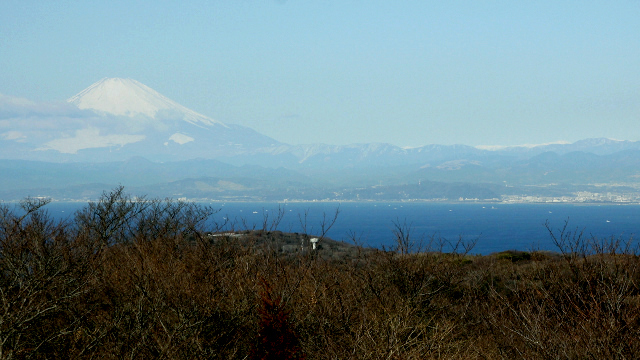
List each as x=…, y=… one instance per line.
x=139, y=279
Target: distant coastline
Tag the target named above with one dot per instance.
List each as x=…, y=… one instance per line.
x=366, y=201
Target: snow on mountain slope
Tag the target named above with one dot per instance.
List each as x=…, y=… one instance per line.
x=116, y=119
x=599, y=146
x=128, y=97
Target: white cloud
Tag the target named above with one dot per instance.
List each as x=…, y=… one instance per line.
x=13, y=135
x=15, y=107
x=181, y=138
x=89, y=138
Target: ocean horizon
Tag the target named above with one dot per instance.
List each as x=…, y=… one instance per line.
x=493, y=227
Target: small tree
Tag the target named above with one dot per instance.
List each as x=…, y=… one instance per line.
x=276, y=339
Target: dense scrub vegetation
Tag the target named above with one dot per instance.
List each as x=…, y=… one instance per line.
x=135, y=278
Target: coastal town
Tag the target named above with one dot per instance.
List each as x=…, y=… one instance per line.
x=578, y=197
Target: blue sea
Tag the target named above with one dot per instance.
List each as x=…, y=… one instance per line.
x=496, y=227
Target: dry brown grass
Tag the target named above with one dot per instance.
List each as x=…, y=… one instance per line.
x=137, y=279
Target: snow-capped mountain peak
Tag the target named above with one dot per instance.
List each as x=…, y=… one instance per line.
x=128, y=97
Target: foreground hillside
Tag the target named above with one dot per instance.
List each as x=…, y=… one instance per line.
x=132, y=278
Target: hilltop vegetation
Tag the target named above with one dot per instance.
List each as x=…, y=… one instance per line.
x=138, y=278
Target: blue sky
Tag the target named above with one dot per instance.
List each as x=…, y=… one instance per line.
x=409, y=73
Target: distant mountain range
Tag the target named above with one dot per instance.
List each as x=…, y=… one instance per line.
x=119, y=131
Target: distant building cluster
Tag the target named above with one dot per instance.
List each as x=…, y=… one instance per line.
x=578, y=197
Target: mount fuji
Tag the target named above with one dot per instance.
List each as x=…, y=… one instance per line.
x=116, y=119
x=119, y=131
x=128, y=97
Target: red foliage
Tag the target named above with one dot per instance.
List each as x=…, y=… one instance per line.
x=276, y=339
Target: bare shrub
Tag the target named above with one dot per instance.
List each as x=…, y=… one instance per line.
x=138, y=278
